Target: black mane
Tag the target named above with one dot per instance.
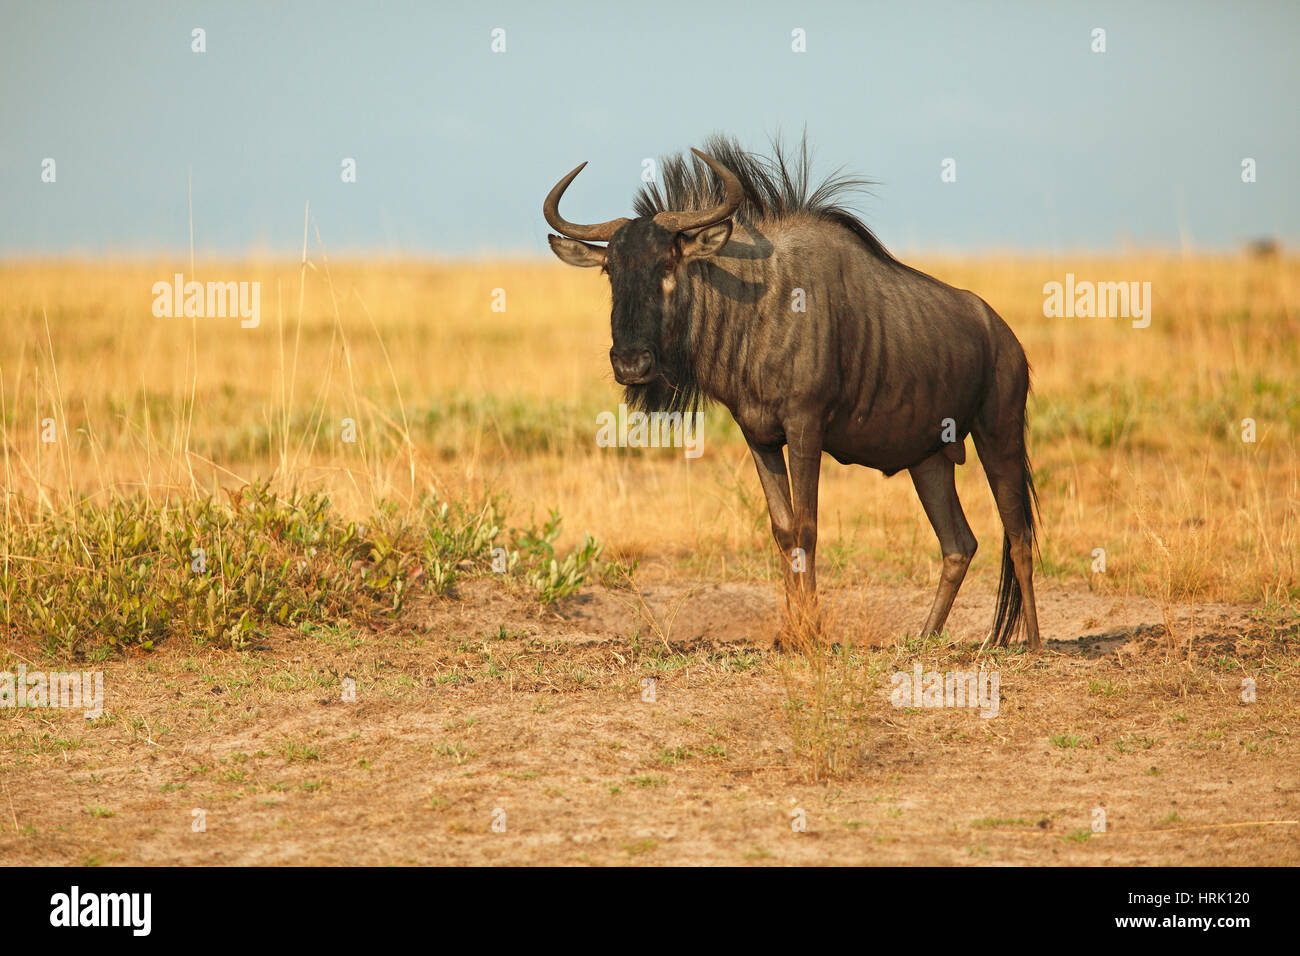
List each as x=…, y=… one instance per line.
x=775, y=187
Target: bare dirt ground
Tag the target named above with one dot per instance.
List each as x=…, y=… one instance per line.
x=486, y=708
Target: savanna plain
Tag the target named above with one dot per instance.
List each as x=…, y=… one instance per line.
x=364, y=589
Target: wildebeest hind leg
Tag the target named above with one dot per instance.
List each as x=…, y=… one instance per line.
x=1010, y=482
x=936, y=487
x=1007, y=468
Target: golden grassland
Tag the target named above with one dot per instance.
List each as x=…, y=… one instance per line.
x=1136, y=434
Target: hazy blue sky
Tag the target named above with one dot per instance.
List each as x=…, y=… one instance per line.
x=1056, y=147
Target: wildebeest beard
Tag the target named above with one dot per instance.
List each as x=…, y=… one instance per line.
x=675, y=388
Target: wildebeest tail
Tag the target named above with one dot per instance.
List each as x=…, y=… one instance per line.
x=1006, y=618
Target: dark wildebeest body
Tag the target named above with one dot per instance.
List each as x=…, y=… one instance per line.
x=786, y=309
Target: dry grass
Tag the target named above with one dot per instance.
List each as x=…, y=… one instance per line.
x=1136, y=432
x=827, y=685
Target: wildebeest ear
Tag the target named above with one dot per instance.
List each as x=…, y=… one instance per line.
x=575, y=253
x=707, y=242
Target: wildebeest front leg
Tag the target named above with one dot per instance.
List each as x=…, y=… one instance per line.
x=792, y=504
x=803, y=618
x=805, y=473
x=776, y=487
x=775, y=478
x=936, y=488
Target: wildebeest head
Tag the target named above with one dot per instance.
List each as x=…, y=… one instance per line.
x=645, y=260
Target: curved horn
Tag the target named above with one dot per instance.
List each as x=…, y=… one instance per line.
x=735, y=194
x=601, y=232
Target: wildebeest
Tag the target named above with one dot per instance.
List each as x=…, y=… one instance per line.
x=775, y=300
